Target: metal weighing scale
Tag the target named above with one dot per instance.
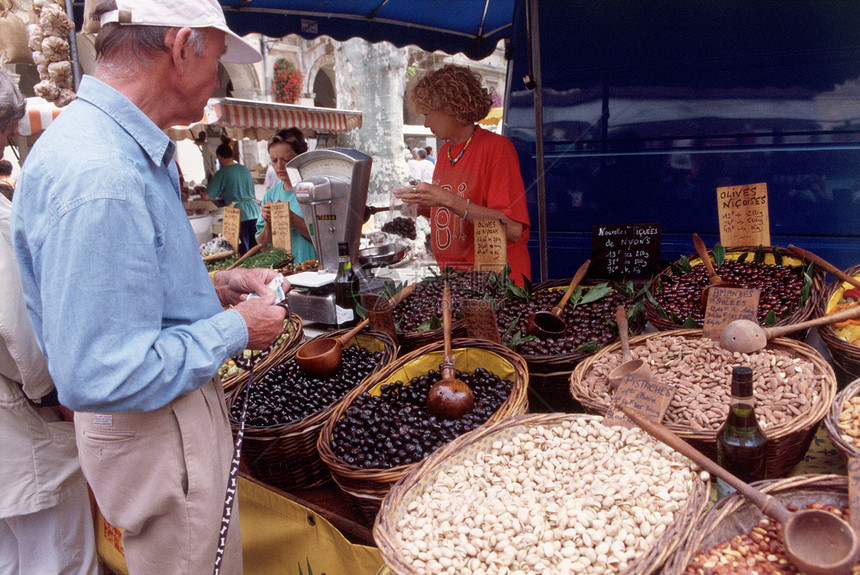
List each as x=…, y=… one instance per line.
x=331, y=188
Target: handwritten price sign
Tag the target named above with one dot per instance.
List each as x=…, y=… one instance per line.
x=281, y=233
x=743, y=215
x=491, y=248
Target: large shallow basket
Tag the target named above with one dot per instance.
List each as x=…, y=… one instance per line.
x=846, y=357
x=804, y=312
x=549, y=374
x=468, y=447
x=735, y=515
x=787, y=442
x=292, y=335
x=286, y=456
x=831, y=422
x=367, y=487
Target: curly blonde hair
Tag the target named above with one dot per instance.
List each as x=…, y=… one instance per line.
x=455, y=90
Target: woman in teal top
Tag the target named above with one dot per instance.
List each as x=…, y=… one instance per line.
x=234, y=183
x=283, y=147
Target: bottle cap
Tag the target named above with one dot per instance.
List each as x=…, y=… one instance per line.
x=742, y=381
x=342, y=249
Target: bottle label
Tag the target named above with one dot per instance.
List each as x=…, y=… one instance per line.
x=343, y=314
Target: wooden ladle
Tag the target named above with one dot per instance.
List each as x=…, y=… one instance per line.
x=450, y=397
x=825, y=265
x=629, y=366
x=816, y=541
x=322, y=357
x=745, y=336
x=716, y=280
x=549, y=324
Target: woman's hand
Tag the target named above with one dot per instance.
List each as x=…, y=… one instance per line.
x=267, y=212
x=425, y=194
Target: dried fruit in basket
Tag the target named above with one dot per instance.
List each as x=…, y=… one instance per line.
x=395, y=427
x=784, y=288
x=849, y=330
x=761, y=550
x=421, y=310
x=287, y=393
x=588, y=315
x=229, y=368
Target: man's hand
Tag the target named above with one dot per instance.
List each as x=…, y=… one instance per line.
x=233, y=286
x=264, y=321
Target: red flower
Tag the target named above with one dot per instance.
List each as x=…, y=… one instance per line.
x=286, y=82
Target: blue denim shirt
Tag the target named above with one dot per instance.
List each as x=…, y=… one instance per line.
x=117, y=294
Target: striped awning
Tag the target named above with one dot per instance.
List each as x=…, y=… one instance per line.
x=260, y=120
x=40, y=113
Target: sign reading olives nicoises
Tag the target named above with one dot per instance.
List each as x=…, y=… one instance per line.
x=743, y=215
x=625, y=251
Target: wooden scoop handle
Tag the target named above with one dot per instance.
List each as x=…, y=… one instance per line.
x=825, y=265
x=448, y=359
x=580, y=273
x=621, y=320
x=342, y=340
x=706, y=259
x=246, y=255
x=780, y=330
x=763, y=501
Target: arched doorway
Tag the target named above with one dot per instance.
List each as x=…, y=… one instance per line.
x=324, y=92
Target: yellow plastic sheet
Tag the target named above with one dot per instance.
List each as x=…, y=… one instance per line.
x=277, y=537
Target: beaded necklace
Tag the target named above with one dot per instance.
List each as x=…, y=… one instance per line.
x=453, y=161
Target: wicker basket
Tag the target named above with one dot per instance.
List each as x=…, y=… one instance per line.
x=549, y=375
x=294, y=335
x=804, y=312
x=735, y=515
x=787, y=442
x=286, y=456
x=845, y=357
x=831, y=422
x=367, y=487
x=466, y=447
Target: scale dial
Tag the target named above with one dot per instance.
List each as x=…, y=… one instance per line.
x=337, y=163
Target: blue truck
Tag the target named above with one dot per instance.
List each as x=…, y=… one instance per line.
x=649, y=106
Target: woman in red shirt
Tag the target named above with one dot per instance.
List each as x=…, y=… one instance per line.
x=477, y=173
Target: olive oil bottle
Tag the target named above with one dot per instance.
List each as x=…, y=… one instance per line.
x=741, y=444
x=345, y=289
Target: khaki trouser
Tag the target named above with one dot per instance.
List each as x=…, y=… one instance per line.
x=162, y=476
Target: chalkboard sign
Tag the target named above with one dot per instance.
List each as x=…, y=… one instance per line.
x=743, y=215
x=626, y=251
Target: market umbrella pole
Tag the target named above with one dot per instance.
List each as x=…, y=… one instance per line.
x=534, y=40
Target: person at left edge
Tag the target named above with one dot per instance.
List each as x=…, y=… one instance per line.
x=118, y=297
x=234, y=183
x=46, y=525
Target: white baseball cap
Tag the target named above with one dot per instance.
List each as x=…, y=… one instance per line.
x=180, y=14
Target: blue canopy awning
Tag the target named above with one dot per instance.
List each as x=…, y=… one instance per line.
x=473, y=27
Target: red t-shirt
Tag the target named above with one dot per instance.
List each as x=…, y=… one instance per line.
x=488, y=174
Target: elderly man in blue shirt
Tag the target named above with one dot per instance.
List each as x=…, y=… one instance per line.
x=119, y=300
